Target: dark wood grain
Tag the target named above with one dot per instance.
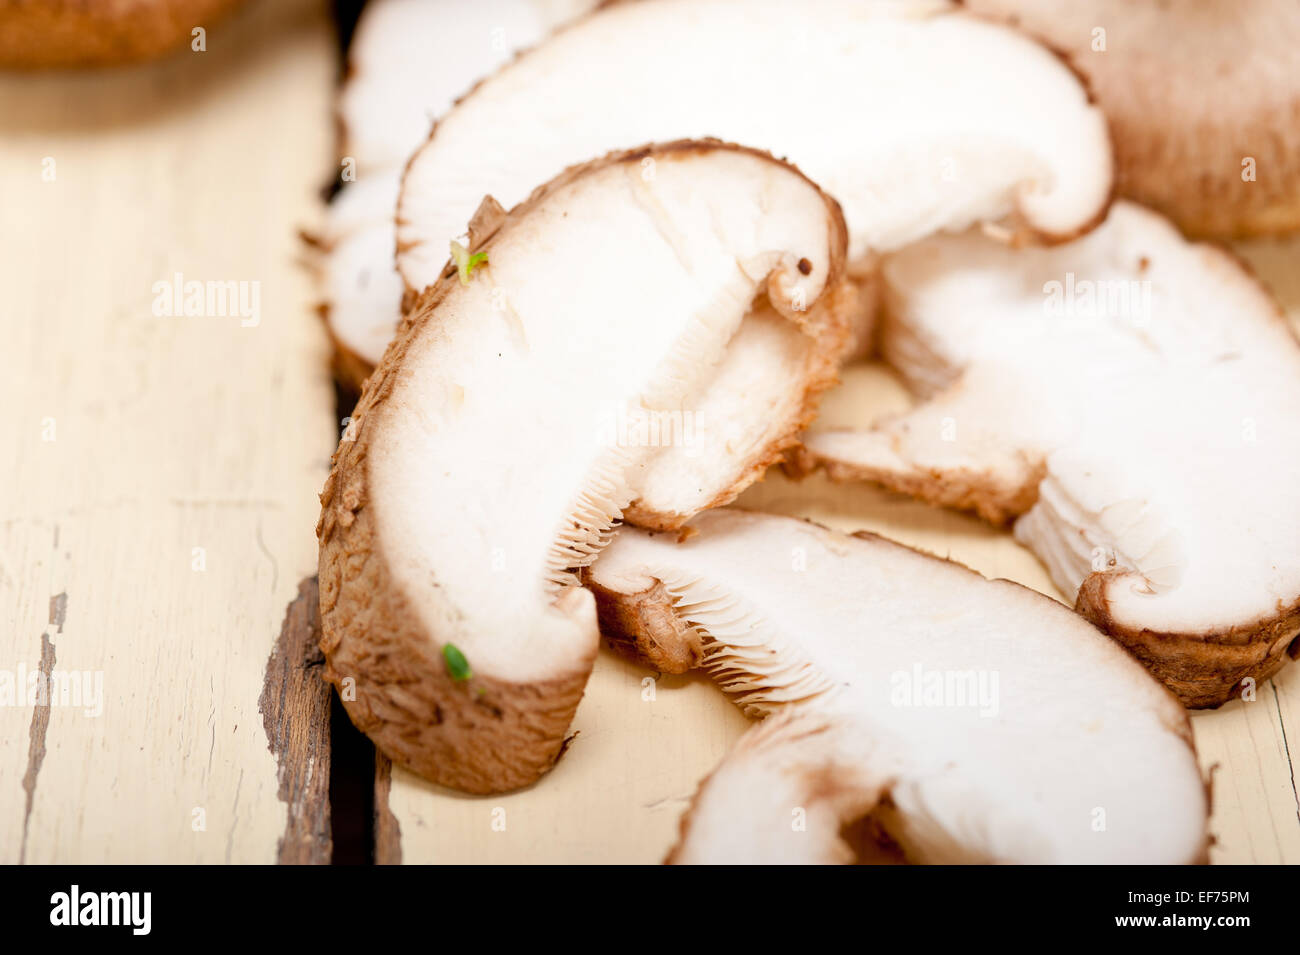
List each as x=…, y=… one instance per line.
x=388, y=832
x=295, y=706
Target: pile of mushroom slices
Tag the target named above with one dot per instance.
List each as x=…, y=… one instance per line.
x=637, y=321
x=1137, y=427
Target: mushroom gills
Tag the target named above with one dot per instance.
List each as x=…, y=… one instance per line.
x=973, y=720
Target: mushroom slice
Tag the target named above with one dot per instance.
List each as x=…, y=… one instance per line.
x=1129, y=400
x=974, y=720
x=509, y=425
x=408, y=61
x=915, y=118
x=1170, y=79
x=360, y=290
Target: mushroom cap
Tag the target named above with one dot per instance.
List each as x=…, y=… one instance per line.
x=977, y=720
x=499, y=440
x=1129, y=401
x=984, y=124
x=1192, y=91
x=37, y=34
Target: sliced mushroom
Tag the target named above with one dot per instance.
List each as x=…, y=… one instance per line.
x=408, y=61
x=952, y=154
x=973, y=720
x=915, y=118
x=38, y=34
x=1202, y=99
x=501, y=437
x=361, y=293
x=1129, y=400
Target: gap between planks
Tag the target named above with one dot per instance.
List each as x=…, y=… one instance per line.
x=323, y=761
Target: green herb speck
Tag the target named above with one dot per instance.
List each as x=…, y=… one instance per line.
x=457, y=665
x=466, y=263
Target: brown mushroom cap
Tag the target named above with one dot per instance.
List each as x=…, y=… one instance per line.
x=1203, y=99
x=62, y=33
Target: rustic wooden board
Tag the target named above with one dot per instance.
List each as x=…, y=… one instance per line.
x=134, y=438
x=617, y=793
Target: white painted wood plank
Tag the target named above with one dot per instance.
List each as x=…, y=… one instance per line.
x=134, y=438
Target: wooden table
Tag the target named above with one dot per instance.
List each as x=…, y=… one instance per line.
x=160, y=498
